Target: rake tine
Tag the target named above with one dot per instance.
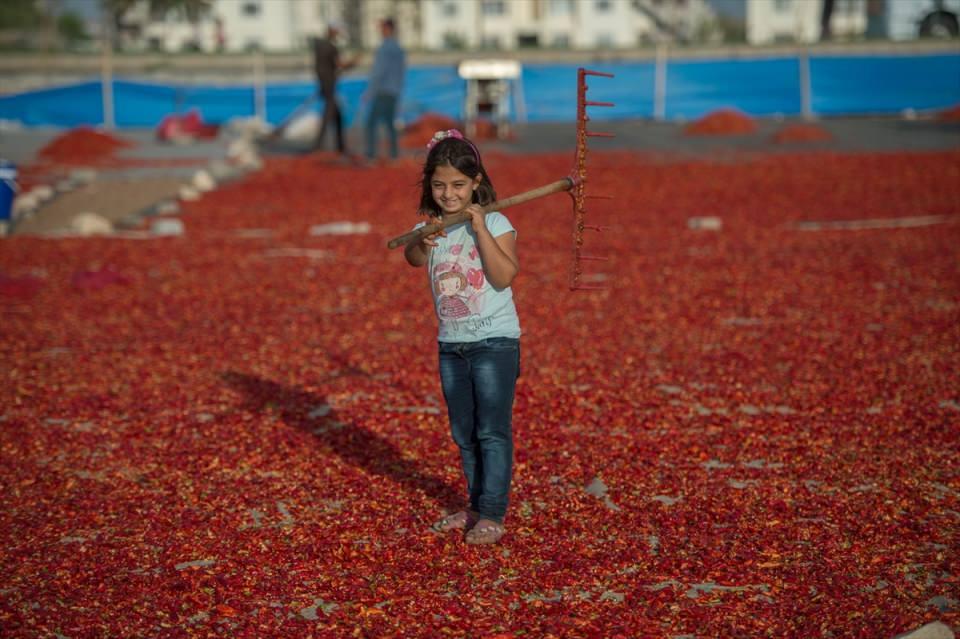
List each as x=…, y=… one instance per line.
x=600, y=73
x=579, y=194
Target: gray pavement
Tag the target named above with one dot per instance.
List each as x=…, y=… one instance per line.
x=180, y=162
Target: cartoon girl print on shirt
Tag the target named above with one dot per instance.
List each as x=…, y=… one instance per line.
x=457, y=292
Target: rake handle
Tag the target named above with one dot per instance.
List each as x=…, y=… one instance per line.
x=418, y=234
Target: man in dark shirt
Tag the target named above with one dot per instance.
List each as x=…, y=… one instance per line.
x=328, y=66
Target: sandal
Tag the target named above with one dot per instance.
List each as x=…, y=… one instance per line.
x=486, y=531
x=456, y=521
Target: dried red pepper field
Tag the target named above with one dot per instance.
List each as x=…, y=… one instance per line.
x=749, y=432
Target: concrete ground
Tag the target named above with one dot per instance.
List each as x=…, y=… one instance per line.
x=119, y=193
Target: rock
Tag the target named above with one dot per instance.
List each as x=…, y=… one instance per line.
x=203, y=181
x=87, y=224
x=167, y=227
x=935, y=630
x=708, y=223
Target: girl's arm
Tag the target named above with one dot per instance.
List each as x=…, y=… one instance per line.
x=498, y=254
x=418, y=251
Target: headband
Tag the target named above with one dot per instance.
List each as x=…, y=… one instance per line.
x=452, y=133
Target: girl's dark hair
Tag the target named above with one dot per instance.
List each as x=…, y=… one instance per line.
x=464, y=157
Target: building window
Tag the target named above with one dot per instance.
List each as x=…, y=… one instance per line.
x=493, y=7
x=449, y=9
x=782, y=6
x=528, y=40
x=561, y=41
x=851, y=7
x=602, y=6
x=560, y=7
x=604, y=41
x=251, y=8
x=454, y=41
x=490, y=42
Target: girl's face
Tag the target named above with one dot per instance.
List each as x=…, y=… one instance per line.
x=452, y=190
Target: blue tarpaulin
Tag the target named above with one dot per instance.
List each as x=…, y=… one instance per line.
x=761, y=86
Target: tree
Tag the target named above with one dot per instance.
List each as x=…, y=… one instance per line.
x=193, y=10
x=71, y=28
x=118, y=10
x=20, y=14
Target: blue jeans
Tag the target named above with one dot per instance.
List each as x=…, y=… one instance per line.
x=478, y=380
x=382, y=111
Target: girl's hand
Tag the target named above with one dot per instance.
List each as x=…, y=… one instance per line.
x=431, y=240
x=476, y=218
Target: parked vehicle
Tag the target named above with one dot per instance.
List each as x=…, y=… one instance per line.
x=909, y=19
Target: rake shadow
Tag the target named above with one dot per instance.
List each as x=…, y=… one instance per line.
x=354, y=444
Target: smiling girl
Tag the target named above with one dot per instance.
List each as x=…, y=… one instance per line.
x=471, y=266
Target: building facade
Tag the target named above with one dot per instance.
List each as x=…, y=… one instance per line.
x=791, y=21
x=432, y=25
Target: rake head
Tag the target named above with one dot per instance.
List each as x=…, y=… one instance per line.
x=579, y=177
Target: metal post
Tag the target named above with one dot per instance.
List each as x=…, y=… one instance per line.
x=259, y=86
x=660, y=83
x=106, y=75
x=806, y=108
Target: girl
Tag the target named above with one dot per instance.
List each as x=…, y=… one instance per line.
x=470, y=267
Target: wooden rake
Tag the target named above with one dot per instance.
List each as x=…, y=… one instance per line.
x=574, y=183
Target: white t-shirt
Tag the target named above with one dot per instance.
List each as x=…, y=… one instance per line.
x=468, y=307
